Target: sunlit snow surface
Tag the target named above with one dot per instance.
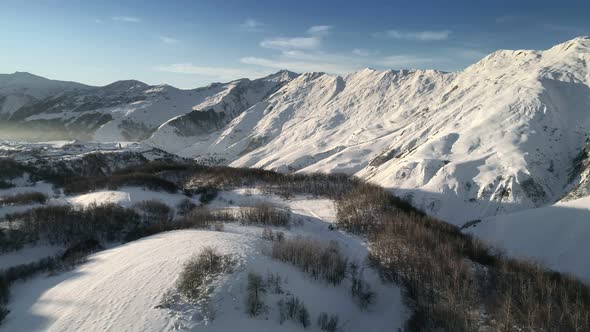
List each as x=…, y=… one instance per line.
x=119, y=288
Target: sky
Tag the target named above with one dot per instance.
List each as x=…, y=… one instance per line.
x=189, y=44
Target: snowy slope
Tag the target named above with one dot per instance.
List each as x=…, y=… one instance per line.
x=215, y=111
x=118, y=289
x=499, y=136
x=556, y=235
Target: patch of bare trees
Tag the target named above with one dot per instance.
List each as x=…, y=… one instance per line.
x=200, y=270
x=454, y=282
x=24, y=198
x=264, y=214
x=321, y=261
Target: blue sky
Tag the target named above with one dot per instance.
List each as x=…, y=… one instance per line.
x=192, y=43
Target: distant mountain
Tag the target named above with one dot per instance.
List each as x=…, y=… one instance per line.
x=21, y=89
x=505, y=134
x=125, y=110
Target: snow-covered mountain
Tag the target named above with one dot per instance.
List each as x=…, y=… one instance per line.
x=502, y=135
x=505, y=134
x=21, y=89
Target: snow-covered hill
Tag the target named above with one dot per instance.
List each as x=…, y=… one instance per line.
x=122, y=288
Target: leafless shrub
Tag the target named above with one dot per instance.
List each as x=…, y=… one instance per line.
x=66, y=225
x=264, y=214
x=80, y=185
x=24, y=198
x=153, y=211
x=293, y=309
x=274, y=283
x=328, y=323
x=279, y=236
x=185, y=206
x=256, y=289
x=224, y=215
x=201, y=269
x=313, y=257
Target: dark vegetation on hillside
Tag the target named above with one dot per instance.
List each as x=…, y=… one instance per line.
x=24, y=198
x=451, y=281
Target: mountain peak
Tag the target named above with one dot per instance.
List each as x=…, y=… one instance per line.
x=126, y=85
x=281, y=75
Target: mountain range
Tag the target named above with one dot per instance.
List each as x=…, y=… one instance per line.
x=507, y=133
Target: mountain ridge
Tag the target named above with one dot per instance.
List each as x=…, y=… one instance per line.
x=499, y=136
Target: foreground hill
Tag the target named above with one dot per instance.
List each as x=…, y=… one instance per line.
x=169, y=244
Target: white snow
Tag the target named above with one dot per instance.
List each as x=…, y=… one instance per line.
x=125, y=196
x=556, y=236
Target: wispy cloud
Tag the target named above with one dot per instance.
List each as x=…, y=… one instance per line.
x=223, y=73
x=126, y=19
x=251, y=24
x=320, y=30
x=363, y=52
x=311, y=41
x=415, y=35
x=168, y=40
x=294, y=43
x=306, y=53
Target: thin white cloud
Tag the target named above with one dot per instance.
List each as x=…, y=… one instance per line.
x=416, y=35
x=295, y=43
x=320, y=30
x=251, y=24
x=363, y=52
x=126, y=19
x=305, y=54
x=168, y=40
x=313, y=40
x=97, y=20
x=224, y=73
